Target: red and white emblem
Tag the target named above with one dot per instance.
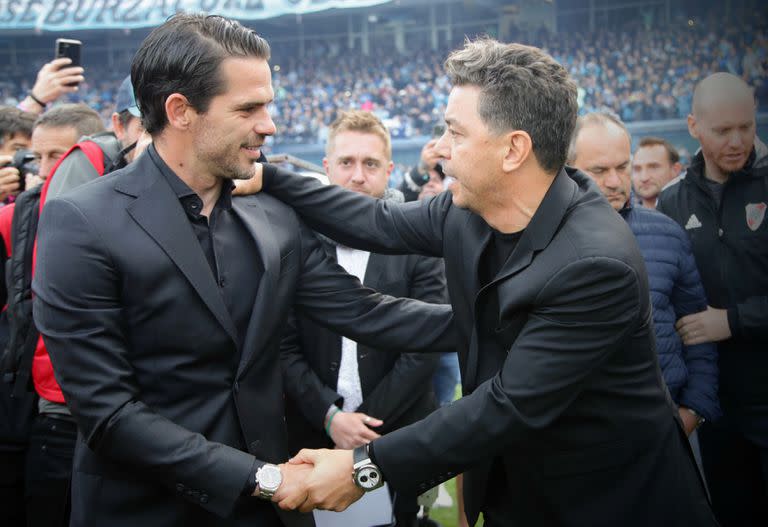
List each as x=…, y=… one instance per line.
x=755, y=215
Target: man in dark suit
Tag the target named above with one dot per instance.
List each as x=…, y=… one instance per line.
x=162, y=300
x=342, y=394
x=564, y=419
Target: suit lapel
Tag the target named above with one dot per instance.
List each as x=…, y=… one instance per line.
x=262, y=321
x=158, y=211
x=537, y=236
x=474, y=243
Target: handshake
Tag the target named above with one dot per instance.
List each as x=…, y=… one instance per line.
x=321, y=479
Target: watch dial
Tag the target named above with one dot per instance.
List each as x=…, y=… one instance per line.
x=369, y=478
x=269, y=478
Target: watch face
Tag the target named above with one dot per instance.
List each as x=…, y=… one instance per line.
x=269, y=477
x=368, y=478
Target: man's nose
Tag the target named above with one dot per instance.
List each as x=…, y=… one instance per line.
x=612, y=179
x=265, y=125
x=441, y=147
x=357, y=173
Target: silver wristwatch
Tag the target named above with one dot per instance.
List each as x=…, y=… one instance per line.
x=365, y=474
x=268, y=480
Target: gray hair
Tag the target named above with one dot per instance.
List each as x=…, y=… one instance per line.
x=600, y=118
x=78, y=116
x=521, y=88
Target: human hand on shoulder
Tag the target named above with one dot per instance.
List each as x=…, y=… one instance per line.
x=245, y=187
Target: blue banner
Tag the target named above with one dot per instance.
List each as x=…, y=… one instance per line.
x=57, y=15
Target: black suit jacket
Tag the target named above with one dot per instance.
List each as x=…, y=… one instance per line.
x=142, y=345
x=397, y=388
x=566, y=399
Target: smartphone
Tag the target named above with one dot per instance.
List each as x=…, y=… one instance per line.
x=69, y=48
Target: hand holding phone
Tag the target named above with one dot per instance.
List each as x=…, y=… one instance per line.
x=69, y=48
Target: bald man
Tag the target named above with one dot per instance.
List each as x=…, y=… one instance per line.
x=721, y=203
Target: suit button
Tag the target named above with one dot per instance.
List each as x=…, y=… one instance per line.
x=204, y=498
x=720, y=232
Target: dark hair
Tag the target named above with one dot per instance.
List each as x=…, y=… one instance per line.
x=521, y=88
x=672, y=153
x=125, y=117
x=14, y=121
x=184, y=56
x=78, y=116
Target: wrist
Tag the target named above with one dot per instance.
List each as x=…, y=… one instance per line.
x=332, y=411
x=699, y=419
x=268, y=480
x=37, y=100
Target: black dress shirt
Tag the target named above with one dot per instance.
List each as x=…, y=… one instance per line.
x=231, y=253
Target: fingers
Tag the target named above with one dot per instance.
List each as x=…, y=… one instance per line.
x=293, y=490
x=305, y=455
x=370, y=421
x=56, y=78
x=244, y=187
x=9, y=181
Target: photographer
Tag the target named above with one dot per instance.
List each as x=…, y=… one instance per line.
x=36, y=432
x=426, y=178
x=15, y=134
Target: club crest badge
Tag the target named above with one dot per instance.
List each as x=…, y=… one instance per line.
x=755, y=215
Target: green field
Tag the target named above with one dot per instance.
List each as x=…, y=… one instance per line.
x=448, y=516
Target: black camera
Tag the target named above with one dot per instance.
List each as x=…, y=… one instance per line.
x=26, y=163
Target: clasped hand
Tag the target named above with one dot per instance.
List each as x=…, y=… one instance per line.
x=318, y=479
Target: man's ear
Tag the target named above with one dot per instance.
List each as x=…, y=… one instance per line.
x=179, y=111
x=692, y=127
x=518, y=147
x=117, y=126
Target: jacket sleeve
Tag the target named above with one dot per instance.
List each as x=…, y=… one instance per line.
x=360, y=221
x=412, y=373
x=700, y=391
x=581, y=316
x=328, y=295
x=749, y=319
x=302, y=384
x=77, y=308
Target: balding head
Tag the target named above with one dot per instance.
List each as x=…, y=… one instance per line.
x=601, y=148
x=723, y=121
x=718, y=90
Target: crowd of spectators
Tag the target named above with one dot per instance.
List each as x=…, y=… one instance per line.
x=637, y=72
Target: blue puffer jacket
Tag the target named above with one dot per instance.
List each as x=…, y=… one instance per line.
x=676, y=290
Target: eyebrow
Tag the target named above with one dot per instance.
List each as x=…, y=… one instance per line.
x=252, y=104
x=452, y=122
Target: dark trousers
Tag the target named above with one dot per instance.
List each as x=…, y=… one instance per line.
x=405, y=509
x=12, y=488
x=737, y=474
x=49, y=471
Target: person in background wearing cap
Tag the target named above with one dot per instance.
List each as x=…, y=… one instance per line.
x=119, y=146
